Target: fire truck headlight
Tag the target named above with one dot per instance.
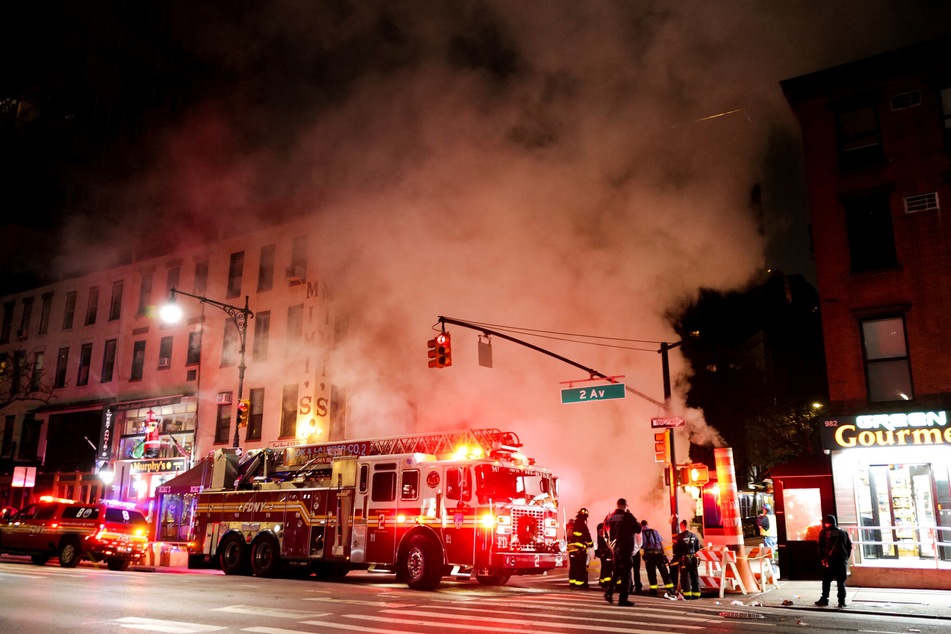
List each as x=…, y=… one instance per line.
x=400, y=519
x=278, y=528
x=488, y=520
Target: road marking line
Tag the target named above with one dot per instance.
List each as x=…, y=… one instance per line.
x=172, y=627
x=483, y=627
x=272, y=612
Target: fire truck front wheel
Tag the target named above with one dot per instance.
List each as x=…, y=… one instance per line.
x=265, y=557
x=233, y=556
x=421, y=564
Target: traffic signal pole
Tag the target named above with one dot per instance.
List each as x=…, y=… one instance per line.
x=672, y=467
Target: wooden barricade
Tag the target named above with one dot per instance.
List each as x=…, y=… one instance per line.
x=717, y=570
x=760, y=560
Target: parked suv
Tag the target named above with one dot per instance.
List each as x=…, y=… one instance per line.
x=113, y=532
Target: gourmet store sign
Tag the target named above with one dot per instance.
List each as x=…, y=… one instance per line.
x=887, y=430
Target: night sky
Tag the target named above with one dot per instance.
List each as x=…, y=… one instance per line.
x=579, y=167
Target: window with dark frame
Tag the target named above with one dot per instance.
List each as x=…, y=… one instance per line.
x=266, y=269
x=36, y=378
x=115, y=303
x=229, y=345
x=108, y=361
x=69, y=310
x=223, y=423
x=85, y=360
x=172, y=277
x=235, y=270
x=138, y=361
x=7, y=326
x=946, y=116
x=256, y=413
x=165, y=353
x=145, y=294
x=46, y=309
x=295, y=329
x=92, y=308
x=289, y=410
x=262, y=328
x=887, y=366
x=201, y=276
x=62, y=360
x=870, y=233
x=194, y=348
x=26, y=318
x=859, y=136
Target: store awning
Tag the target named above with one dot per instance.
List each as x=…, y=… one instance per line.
x=192, y=481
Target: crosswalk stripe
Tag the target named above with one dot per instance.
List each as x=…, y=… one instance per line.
x=172, y=627
x=614, y=613
x=483, y=627
x=443, y=625
x=355, y=628
x=677, y=614
x=277, y=613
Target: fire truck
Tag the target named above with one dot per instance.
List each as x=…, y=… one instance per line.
x=422, y=506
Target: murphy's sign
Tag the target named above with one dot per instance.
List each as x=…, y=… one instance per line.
x=912, y=429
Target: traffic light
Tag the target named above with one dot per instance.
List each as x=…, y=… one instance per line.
x=244, y=407
x=661, y=447
x=694, y=475
x=440, y=351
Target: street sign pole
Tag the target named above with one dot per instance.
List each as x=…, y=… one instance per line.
x=672, y=467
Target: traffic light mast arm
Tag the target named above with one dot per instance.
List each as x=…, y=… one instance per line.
x=591, y=372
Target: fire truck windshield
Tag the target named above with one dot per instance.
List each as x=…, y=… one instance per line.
x=509, y=484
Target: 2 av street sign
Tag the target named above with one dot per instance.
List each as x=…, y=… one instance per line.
x=596, y=393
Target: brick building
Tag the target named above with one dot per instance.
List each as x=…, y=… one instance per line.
x=877, y=150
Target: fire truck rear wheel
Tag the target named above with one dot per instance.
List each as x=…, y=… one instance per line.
x=118, y=563
x=69, y=553
x=495, y=579
x=265, y=557
x=233, y=556
x=422, y=565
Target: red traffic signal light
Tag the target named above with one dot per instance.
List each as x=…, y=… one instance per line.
x=440, y=351
x=244, y=408
x=661, y=447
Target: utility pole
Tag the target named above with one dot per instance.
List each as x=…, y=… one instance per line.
x=672, y=467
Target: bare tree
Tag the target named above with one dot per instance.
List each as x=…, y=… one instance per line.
x=23, y=379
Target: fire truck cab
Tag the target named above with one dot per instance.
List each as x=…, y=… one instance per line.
x=484, y=510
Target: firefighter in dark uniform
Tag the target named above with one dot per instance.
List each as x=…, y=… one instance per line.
x=686, y=545
x=655, y=560
x=606, y=556
x=619, y=529
x=579, y=541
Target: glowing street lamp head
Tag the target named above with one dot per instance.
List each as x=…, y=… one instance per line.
x=170, y=312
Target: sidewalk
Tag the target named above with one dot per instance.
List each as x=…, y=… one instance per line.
x=802, y=595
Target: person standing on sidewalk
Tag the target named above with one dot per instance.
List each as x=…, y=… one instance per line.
x=766, y=522
x=620, y=528
x=835, y=548
x=654, y=560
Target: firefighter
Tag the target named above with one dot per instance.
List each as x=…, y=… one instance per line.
x=620, y=527
x=606, y=556
x=654, y=560
x=686, y=546
x=579, y=541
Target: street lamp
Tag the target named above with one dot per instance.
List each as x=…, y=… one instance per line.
x=171, y=313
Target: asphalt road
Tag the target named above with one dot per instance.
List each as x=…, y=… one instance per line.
x=44, y=599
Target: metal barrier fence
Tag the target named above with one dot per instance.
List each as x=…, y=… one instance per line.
x=902, y=542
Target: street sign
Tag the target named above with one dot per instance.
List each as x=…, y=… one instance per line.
x=673, y=421
x=596, y=393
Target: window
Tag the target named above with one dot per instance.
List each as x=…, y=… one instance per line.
x=145, y=294
x=229, y=346
x=69, y=311
x=295, y=329
x=62, y=358
x=115, y=304
x=859, y=137
x=266, y=268
x=138, y=361
x=409, y=487
x=289, y=411
x=887, y=367
x=108, y=361
x=868, y=222
x=201, y=276
x=235, y=270
x=172, y=277
x=194, y=348
x=93, y=306
x=946, y=115
x=26, y=318
x=6, y=447
x=383, y=488
x=299, y=256
x=36, y=379
x=256, y=415
x=165, y=353
x=7, y=322
x=262, y=327
x=85, y=359
x=46, y=308
x=223, y=424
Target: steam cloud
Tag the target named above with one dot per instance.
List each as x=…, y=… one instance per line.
x=551, y=165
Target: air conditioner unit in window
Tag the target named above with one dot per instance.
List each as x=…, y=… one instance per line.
x=224, y=398
x=164, y=363
x=294, y=274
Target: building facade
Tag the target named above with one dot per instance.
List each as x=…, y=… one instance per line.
x=130, y=401
x=877, y=150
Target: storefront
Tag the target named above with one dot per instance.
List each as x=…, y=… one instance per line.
x=153, y=442
x=891, y=480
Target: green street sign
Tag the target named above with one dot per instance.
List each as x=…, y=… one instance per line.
x=596, y=393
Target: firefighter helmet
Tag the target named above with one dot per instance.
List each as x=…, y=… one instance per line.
x=583, y=511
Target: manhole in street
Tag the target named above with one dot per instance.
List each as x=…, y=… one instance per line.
x=741, y=615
